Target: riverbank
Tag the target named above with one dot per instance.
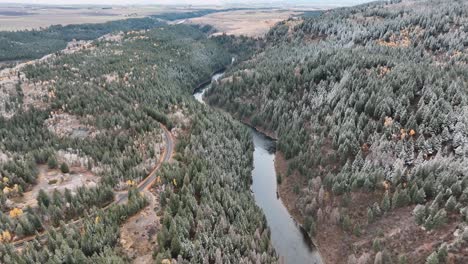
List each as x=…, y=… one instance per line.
x=397, y=230
x=327, y=237
x=289, y=239
x=286, y=187
x=202, y=85
x=266, y=132
x=330, y=236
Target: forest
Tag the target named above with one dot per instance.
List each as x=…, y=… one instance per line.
x=114, y=95
x=369, y=104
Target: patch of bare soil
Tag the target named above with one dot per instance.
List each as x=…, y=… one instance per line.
x=403, y=39
x=111, y=77
x=117, y=37
x=337, y=244
x=66, y=125
x=36, y=95
x=49, y=180
x=80, y=45
x=400, y=235
x=138, y=235
x=136, y=35
x=17, y=91
x=181, y=119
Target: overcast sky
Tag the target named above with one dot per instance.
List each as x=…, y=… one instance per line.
x=194, y=2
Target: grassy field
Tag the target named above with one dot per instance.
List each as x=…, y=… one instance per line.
x=34, y=17
x=253, y=23
x=239, y=22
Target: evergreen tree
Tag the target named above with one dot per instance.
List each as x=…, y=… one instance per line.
x=420, y=197
x=52, y=162
x=420, y=214
x=43, y=198
x=451, y=204
x=64, y=168
x=386, y=202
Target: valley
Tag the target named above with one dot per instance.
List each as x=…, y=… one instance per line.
x=291, y=242
x=238, y=135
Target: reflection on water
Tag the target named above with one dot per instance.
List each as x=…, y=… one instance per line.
x=289, y=240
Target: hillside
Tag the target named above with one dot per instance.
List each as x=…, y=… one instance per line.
x=369, y=105
x=99, y=110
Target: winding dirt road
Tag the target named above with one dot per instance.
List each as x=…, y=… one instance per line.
x=122, y=197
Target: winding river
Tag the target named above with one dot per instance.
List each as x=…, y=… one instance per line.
x=291, y=243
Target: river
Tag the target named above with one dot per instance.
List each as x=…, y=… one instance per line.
x=292, y=245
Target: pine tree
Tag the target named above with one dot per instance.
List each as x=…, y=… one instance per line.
x=400, y=198
x=376, y=210
x=64, y=168
x=19, y=230
x=420, y=214
x=440, y=218
x=386, y=205
x=396, y=198
x=442, y=253
x=52, y=162
x=43, y=198
x=432, y=259
x=456, y=188
x=451, y=204
x=420, y=196
x=175, y=246
x=368, y=185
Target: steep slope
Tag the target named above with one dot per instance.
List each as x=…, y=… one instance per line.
x=369, y=104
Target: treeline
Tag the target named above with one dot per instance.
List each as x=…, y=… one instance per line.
x=366, y=99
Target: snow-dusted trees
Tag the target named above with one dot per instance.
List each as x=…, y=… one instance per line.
x=209, y=212
x=125, y=90
x=371, y=99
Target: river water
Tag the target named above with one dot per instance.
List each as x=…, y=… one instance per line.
x=292, y=245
